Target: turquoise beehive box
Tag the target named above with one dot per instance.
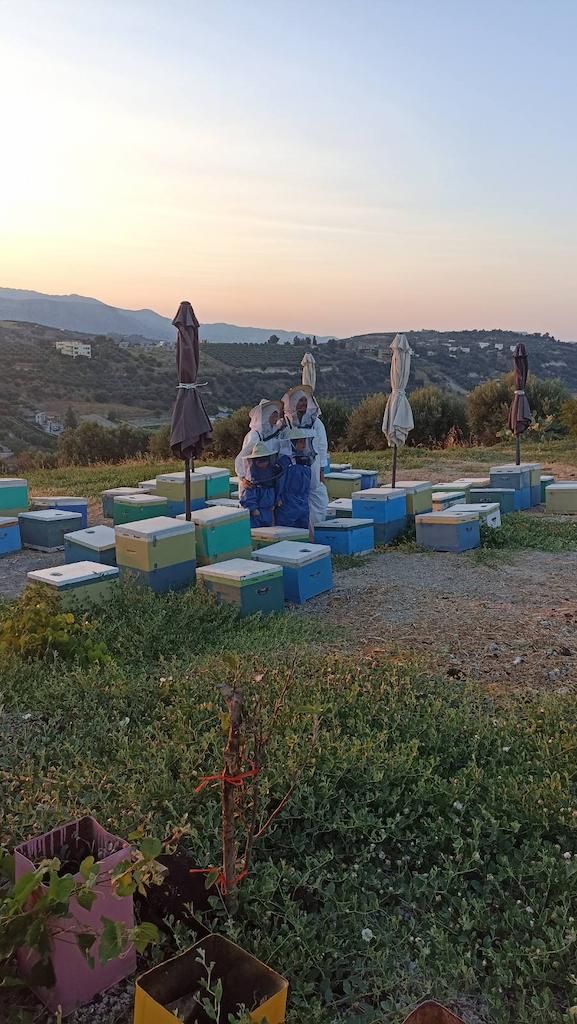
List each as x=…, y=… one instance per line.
x=9, y=535
x=546, y=479
x=13, y=495
x=534, y=470
x=513, y=478
x=250, y=587
x=487, y=495
x=222, y=533
x=216, y=481
x=108, y=496
x=95, y=544
x=346, y=536
x=80, y=584
x=45, y=530
x=307, y=568
x=132, y=508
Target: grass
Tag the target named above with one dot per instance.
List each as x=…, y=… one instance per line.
x=342, y=562
x=422, y=853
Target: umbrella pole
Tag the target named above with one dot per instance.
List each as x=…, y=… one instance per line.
x=187, y=501
x=517, y=450
x=394, y=473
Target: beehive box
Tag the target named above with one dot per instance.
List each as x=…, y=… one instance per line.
x=172, y=486
x=108, y=496
x=386, y=533
x=9, y=535
x=369, y=478
x=79, y=584
x=13, y=495
x=249, y=586
x=262, y=536
x=95, y=544
x=562, y=497
x=488, y=512
x=221, y=534
x=506, y=498
x=346, y=536
x=340, y=467
x=148, y=485
x=307, y=568
x=466, y=483
x=217, y=481
x=545, y=481
x=65, y=502
x=444, y=499
x=419, y=494
x=516, y=478
x=224, y=503
x=534, y=469
x=135, y=507
x=381, y=504
x=448, y=531
x=340, y=507
x=160, y=553
x=45, y=530
x=342, y=485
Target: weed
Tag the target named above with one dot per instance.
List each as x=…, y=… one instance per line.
x=342, y=562
x=521, y=532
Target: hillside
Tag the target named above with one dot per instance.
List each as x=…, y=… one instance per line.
x=138, y=384
x=90, y=316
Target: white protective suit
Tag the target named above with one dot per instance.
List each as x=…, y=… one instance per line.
x=261, y=429
x=311, y=420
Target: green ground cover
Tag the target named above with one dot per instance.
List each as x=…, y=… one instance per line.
x=429, y=845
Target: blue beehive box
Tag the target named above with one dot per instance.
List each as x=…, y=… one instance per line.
x=107, y=497
x=13, y=496
x=342, y=508
x=95, y=544
x=9, y=535
x=45, y=530
x=346, y=536
x=381, y=504
x=307, y=568
x=448, y=531
x=505, y=496
x=250, y=587
x=516, y=477
x=65, y=502
x=369, y=478
x=386, y=533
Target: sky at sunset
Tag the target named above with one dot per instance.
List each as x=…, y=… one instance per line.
x=335, y=166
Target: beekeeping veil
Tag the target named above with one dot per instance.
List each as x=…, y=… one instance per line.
x=261, y=416
x=293, y=403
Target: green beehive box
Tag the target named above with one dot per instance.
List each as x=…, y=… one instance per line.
x=444, y=499
x=155, y=543
x=78, y=584
x=467, y=483
x=249, y=586
x=561, y=498
x=342, y=485
x=13, y=496
x=221, y=534
x=173, y=487
x=216, y=481
x=545, y=482
x=134, y=507
x=419, y=495
x=263, y=536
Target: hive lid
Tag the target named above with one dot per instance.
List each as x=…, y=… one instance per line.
x=522, y=465
x=563, y=485
x=141, y=498
x=494, y=490
x=347, y=474
x=448, y=495
x=148, y=483
x=224, y=503
x=154, y=529
x=8, y=521
x=76, y=572
x=478, y=507
x=210, y=471
x=58, y=499
x=98, y=537
x=239, y=570
x=343, y=503
x=111, y=492
x=508, y=469
x=292, y=553
x=215, y=514
x=279, y=532
x=51, y=515
x=340, y=467
x=472, y=481
x=411, y=486
x=380, y=493
x=344, y=524
x=447, y=517
x=13, y=481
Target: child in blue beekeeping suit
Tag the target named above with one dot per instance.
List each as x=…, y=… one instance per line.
x=293, y=489
x=261, y=474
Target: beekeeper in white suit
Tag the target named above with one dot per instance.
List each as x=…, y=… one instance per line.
x=266, y=424
x=301, y=409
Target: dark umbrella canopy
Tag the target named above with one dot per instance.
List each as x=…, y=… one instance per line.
x=191, y=429
x=520, y=416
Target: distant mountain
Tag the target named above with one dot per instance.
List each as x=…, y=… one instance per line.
x=90, y=316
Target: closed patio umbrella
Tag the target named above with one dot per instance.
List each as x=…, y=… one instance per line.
x=191, y=429
x=398, y=419
x=520, y=415
x=309, y=368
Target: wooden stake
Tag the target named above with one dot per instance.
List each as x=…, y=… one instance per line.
x=232, y=768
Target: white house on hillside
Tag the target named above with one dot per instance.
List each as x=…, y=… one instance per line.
x=74, y=349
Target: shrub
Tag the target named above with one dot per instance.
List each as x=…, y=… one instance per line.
x=488, y=406
x=437, y=415
x=38, y=628
x=335, y=416
x=91, y=442
x=568, y=415
x=159, y=444
x=365, y=422
x=228, y=433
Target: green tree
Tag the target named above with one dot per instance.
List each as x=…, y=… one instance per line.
x=228, y=433
x=437, y=414
x=489, y=403
x=364, y=427
x=70, y=419
x=335, y=416
x=159, y=444
x=273, y=340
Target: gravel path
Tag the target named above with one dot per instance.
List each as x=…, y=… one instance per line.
x=14, y=569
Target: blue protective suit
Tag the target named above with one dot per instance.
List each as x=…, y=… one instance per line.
x=260, y=496
x=293, y=493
